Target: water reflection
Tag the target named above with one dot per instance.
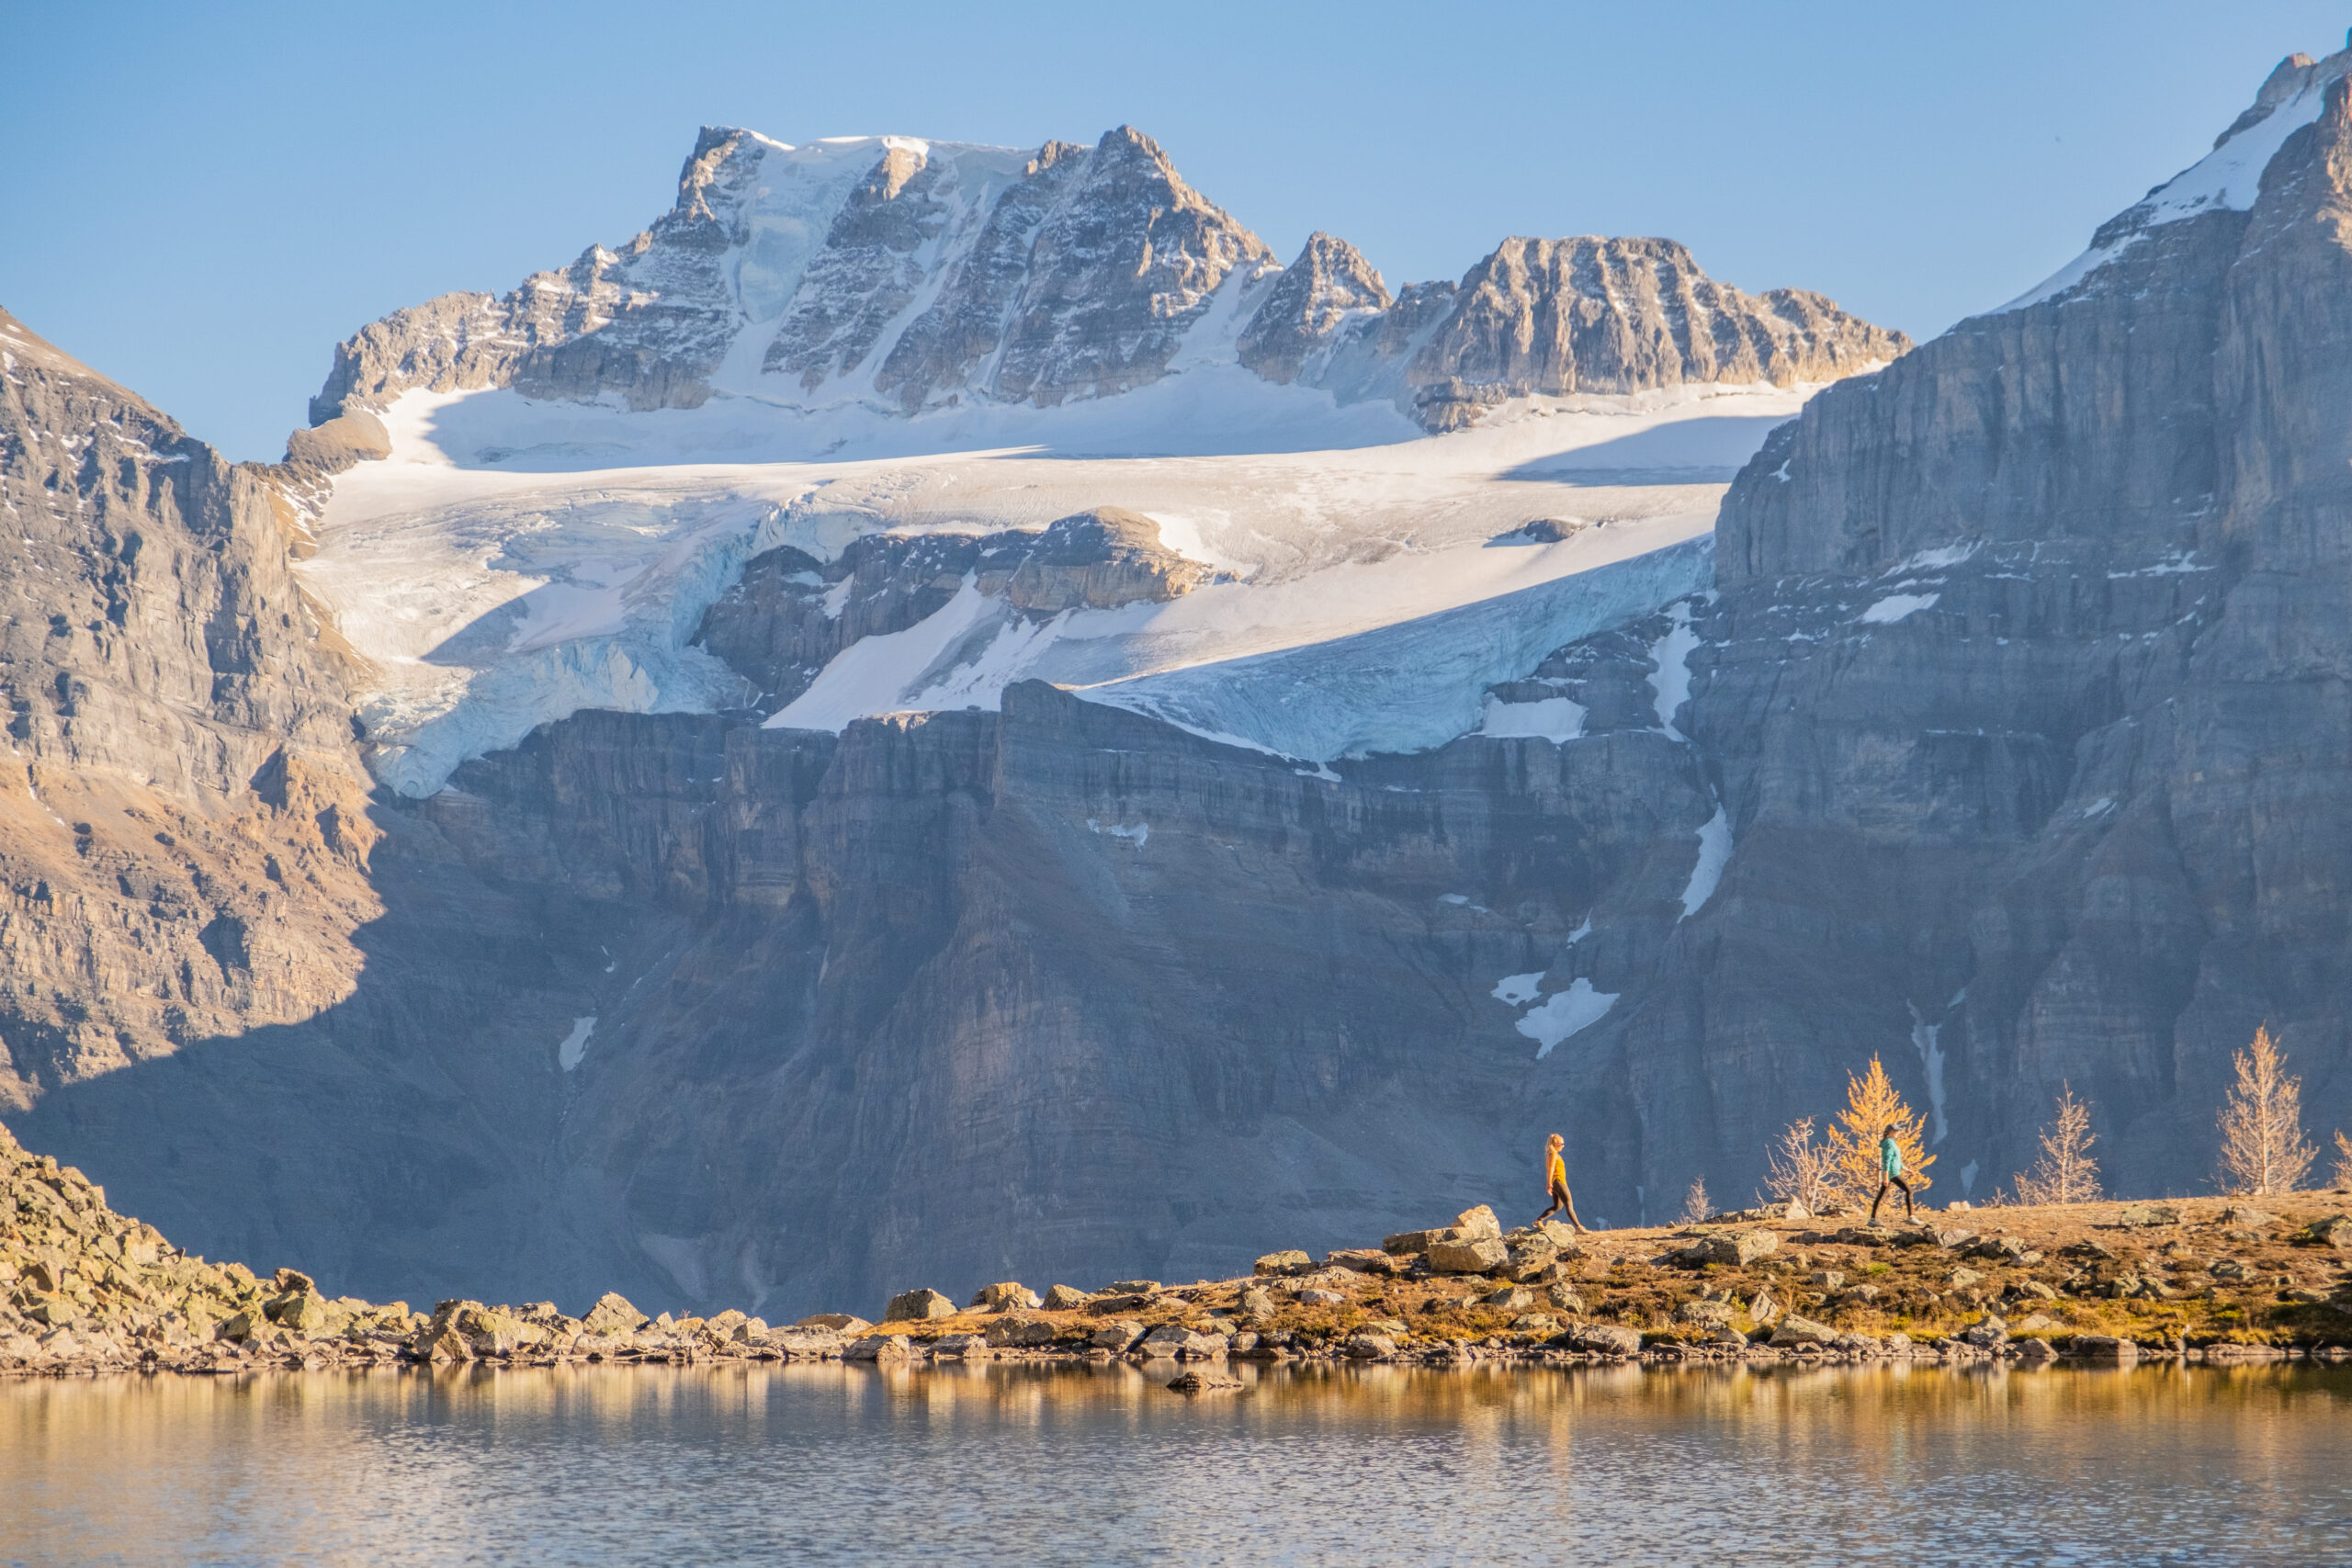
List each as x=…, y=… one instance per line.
x=592, y=1464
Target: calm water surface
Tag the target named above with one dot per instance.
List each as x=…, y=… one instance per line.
x=1027, y=1465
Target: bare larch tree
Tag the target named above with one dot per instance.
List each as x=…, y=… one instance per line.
x=2262, y=1123
x=2064, y=1172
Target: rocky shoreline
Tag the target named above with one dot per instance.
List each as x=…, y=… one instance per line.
x=2207, y=1281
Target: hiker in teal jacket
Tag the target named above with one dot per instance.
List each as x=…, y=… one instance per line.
x=1890, y=1165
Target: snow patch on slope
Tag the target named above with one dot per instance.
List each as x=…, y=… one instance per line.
x=1567, y=1013
x=1715, y=853
x=1557, y=719
x=1896, y=606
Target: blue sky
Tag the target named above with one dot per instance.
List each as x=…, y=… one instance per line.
x=200, y=200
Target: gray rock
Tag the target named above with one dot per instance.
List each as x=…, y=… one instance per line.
x=1009, y=1295
x=1119, y=1337
x=1015, y=1331
x=1602, y=1339
x=2330, y=1230
x=1793, y=1330
x=918, y=1305
x=1481, y=1257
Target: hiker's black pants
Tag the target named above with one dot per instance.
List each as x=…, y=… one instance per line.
x=1560, y=1200
x=1883, y=1186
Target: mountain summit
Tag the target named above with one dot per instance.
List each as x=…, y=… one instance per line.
x=906, y=275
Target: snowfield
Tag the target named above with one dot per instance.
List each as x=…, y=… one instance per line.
x=514, y=562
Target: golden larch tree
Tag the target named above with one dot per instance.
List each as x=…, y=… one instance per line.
x=2263, y=1149
x=1870, y=1105
x=2341, y=1178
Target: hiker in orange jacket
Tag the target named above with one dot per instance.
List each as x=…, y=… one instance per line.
x=1555, y=1184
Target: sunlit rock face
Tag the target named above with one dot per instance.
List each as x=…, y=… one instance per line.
x=906, y=275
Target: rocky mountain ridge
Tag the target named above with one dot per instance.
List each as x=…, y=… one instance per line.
x=947, y=272
x=2006, y=744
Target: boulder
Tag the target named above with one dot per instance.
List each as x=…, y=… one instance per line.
x=2103, y=1347
x=2238, y=1217
x=1511, y=1297
x=1204, y=1380
x=878, y=1347
x=1279, y=1264
x=1316, y=1298
x=918, y=1306
x=1009, y=1295
x=1404, y=1243
x=1021, y=1333
x=1988, y=1333
x=1705, y=1315
x=58, y=1310
x=2035, y=1352
x=1369, y=1347
x=1175, y=1339
x=1738, y=1248
x=959, y=1347
x=1065, y=1298
x=1364, y=1261
x=612, y=1314
x=1478, y=1224
x=1117, y=1337
x=300, y=1311
x=1564, y=1300
x=1482, y=1255
x=839, y=1321
x=1257, y=1303
x=1961, y=1278
x=1793, y=1330
x=1602, y=1339
x=2331, y=1231
x=1133, y=1288
x=2141, y=1215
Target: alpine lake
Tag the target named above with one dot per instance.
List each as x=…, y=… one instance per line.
x=998, y=1463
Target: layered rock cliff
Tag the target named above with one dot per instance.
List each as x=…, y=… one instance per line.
x=182, y=838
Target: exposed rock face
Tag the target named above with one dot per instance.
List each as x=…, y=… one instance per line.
x=651, y=321
x=867, y=273
x=1074, y=275
x=1557, y=316
x=791, y=613
x=907, y=274
x=2020, y=694
x=180, y=842
x=1329, y=282
x=1115, y=276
